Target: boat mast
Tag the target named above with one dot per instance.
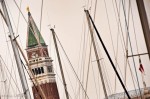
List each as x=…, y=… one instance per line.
x=144, y=23
x=119, y=78
x=16, y=54
x=97, y=57
x=60, y=64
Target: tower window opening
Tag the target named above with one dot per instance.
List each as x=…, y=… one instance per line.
x=39, y=69
x=42, y=69
x=36, y=71
x=33, y=71
x=49, y=68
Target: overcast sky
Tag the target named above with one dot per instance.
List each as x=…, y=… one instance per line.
x=68, y=18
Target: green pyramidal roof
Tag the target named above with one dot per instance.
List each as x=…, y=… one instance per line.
x=34, y=34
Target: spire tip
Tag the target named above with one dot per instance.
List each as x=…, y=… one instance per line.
x=28, y=9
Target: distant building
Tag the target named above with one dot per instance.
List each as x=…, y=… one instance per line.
x=134, y=94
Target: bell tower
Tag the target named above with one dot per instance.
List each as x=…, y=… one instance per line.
x=40, y=62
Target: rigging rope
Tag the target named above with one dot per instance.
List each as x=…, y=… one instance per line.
x=10, y=75
x=10, y=84
x=71, y=66
x=119, y=21
x=95, y=8
x=116, y=62
x=84, y=49
x=70, y=82
x=123, y=44
x=88, y=68
x=67, y=75
x=17, y=28
x=20, y=11
x=110, y=32
x=83, y=60
x=126, y=59
x=94, y=81
x=3, y=79
x=131, y=49
x=136, y=40
x=86, y=45
x=134, y=31
x=18, y=18
x=10, y=14
x=10, y=59
x=80, y=51
x=41, y=15
x=113, y=44
x=31, y=79
x=24, y=16
x=105, y=72
x=90, y=18
x=90, y=55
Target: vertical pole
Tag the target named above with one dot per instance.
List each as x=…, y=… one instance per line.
x=16, y=54
x=144, y=23
x=3, y=76
x=61, y=69
x=41, y=93
x=89, y=16
x=97, y=57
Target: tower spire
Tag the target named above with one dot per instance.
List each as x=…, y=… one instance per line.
x=40, y=62
x=34, y=37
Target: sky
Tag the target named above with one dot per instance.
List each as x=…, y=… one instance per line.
x=68, y=19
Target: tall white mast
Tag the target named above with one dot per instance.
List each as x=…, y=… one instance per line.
x=60, y=64
x=97, y=57
x=16, y=53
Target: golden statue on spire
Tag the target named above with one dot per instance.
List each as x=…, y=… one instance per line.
x=28, y=9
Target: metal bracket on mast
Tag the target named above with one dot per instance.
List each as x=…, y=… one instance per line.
x=137, y=55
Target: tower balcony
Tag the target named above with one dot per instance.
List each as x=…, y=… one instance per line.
x=39, y=60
